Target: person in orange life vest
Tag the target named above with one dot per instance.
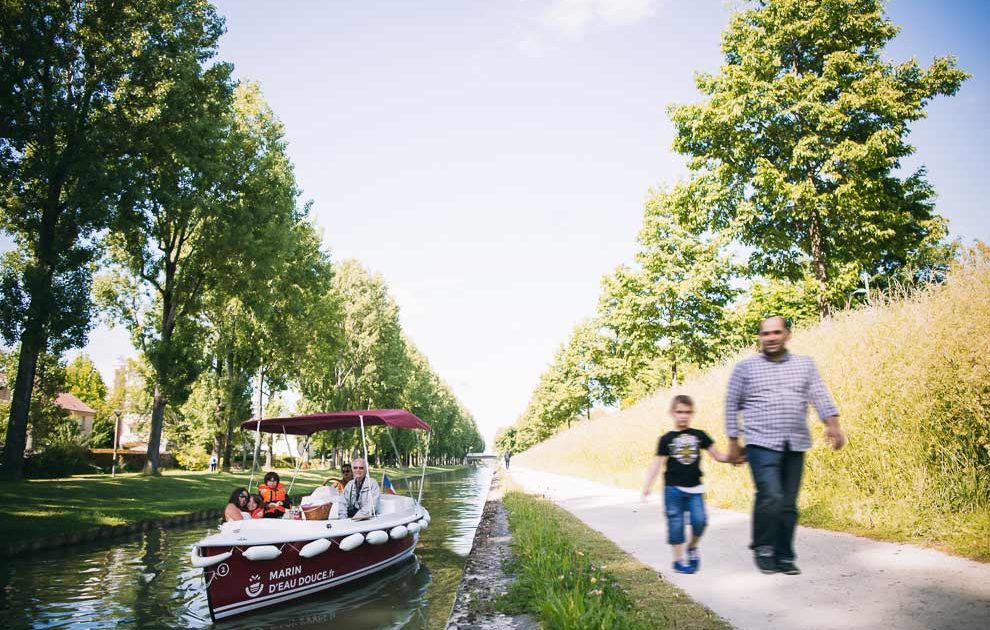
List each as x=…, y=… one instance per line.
x=255, y=506
x=274, y=496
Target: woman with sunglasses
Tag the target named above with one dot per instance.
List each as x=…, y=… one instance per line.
x=236, y=505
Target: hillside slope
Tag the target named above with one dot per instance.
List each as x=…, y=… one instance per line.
x=912, y=380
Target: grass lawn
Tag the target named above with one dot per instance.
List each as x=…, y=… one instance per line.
x=570, y=576
x=38, y=508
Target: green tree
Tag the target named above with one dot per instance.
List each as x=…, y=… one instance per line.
x=81, y=86
x=798, y=146
x=672, y=306
x=361, y=357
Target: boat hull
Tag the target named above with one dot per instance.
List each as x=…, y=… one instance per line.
x=239, y=585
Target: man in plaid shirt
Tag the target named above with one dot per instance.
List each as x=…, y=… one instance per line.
x=772, y=391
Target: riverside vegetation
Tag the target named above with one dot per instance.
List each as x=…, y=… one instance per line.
x=570, y=576
x=911, y=375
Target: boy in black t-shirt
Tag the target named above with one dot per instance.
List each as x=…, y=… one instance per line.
x=683, y=491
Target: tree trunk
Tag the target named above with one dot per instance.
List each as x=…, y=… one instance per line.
x=20, y=405
x=228, y=410
x=157, y=422
x=818, y=264
x=261, y=395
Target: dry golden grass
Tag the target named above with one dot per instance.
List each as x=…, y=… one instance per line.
x=911, y=376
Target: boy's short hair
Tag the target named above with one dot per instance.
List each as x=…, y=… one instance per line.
x=270, y=476
x=682, y=399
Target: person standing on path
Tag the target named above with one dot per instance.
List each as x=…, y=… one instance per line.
x=772, y=391
x=682, y=488
x=507, y=456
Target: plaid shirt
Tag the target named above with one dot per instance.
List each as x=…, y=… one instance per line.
x=773, y=397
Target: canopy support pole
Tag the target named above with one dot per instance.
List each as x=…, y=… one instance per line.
x=422, y=476
x=254, y=459
x=367, y=466
x=398, y=460
x=298, y=459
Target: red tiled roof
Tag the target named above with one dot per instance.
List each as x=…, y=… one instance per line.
x=66, y=400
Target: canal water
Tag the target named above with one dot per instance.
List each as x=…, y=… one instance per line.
x=146, y=581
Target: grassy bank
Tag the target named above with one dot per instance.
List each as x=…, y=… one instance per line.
x=571, y=577
x=42, y=507
x=912, y=380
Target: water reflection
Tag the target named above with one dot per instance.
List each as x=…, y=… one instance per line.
x=145, y=581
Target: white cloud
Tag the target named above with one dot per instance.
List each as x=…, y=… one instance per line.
x=530, y=45
x=573, y=17
x=570, y=17
x=625, y=11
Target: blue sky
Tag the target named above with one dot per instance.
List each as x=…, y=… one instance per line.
x=490, y=158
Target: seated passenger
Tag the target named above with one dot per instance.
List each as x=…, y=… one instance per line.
x=274, y=496
x=345, y=476
x=361, y=493
x=255, y=506
x=236, y=505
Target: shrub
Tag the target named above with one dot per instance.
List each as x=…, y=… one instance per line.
x=193, y=457
x=62, y=459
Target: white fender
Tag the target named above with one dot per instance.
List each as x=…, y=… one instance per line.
x=398, y=532
x=314, y=547
x=412, y=527
x=199, y=561
x=262, y=552
x=352, y=542
x=376, y=537
x=423, y=523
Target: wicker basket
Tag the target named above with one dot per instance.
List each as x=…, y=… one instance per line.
x=317, y=512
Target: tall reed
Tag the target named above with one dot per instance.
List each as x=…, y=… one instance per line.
x=911, y=375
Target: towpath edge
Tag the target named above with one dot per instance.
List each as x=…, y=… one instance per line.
x=484, y=577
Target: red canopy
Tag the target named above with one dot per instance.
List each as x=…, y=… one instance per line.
x=316, y=422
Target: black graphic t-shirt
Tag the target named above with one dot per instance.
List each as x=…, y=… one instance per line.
x=683, y=452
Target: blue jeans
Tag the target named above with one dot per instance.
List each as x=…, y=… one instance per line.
x=777, y=476
x=676, y=502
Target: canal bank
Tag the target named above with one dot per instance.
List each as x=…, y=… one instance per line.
x=484, y=579
x=538, y=562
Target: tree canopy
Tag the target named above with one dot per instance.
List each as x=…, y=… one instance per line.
x=797, y=149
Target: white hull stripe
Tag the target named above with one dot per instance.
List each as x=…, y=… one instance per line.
x=251, y=604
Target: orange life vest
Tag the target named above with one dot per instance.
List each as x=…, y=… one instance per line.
x=269, y=495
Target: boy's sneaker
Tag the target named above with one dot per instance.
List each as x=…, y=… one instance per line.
x=694, y=558
x=765, y=560
x=683, y=568
x=787, y=567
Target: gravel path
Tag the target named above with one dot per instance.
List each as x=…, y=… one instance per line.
x=847, y=582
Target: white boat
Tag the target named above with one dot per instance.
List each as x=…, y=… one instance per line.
x=253, y=564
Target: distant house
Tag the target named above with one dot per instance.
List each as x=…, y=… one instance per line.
x=82, y=413
x=79, y=411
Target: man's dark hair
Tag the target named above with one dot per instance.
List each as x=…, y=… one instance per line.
x=344, y=467
x=682, y=399
x=786, y=320
x=270, y=476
